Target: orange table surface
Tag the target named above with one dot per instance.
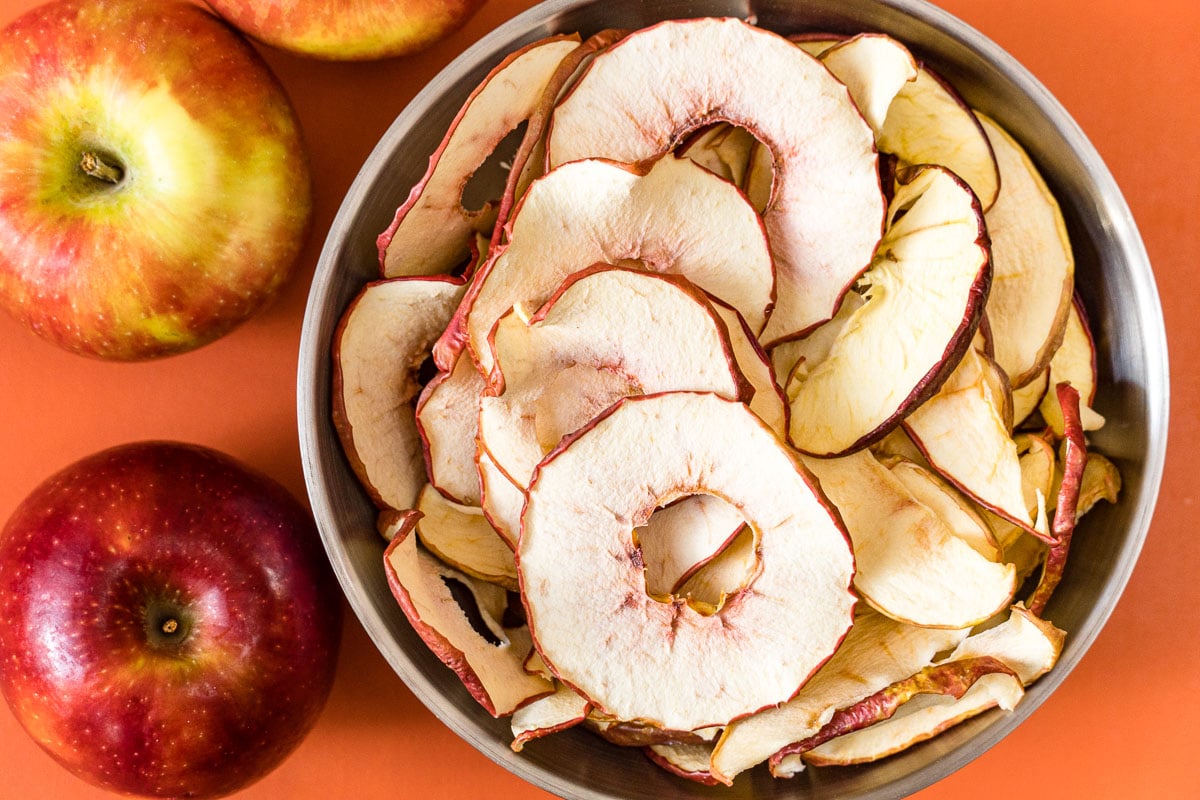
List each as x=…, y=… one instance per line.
x=1123, y=725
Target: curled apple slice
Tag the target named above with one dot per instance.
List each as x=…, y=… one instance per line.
x=928, y=123
x=911, y=566
x=463, y=538
x=431, y=232
x=657, y=217
x=923, y=294
x=447, y=415
x=647, y=93
x=491, y=667
x=690, y=761
x=380, y=343
x=913, y=710
x=877, y=652
x=586, y=498
x=968, y=408
x=1074, y=362
x=875, y=68
x=1027, y=644
x=1034, y=266
x=546, y=715
x=944, y=500
x=710, y=583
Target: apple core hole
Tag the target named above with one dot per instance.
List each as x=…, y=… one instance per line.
x=698, y=549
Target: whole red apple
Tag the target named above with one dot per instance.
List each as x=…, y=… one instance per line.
x=348, y=30
x=169, y=625
x=154, y=185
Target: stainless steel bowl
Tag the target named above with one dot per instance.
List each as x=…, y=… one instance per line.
x=1113, y=277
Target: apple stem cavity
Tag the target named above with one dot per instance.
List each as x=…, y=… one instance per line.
x=96, y=167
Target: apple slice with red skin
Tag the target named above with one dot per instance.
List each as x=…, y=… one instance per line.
x=655, y=216
x=647, y=93
x=973, y=685
x=1034, y=266
x=970, y=406
x=875, y=67
x=432, y=231
x=689, y=761
x=563, y=709
x=929, y=123
x=463, y=538
x=447, y=415
x=586, y=498
x=502, y=500
x=887, y=359
x=768, y=400
x=877, y=652
x=1027, y=398
x=722, y=148
x=709, y=583
x=382, y=339
x=911, y=566
x=952, y=678
x=494, y=674
x=1074, y=460
x=607, y=332
x=1074, y=362
x=1101, y=481
x=1026, y=643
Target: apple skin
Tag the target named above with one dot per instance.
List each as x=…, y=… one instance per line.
x=95, y=564
x=348, y=30
x=212, y=201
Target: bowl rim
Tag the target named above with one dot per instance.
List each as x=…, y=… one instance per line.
x=1117, y=221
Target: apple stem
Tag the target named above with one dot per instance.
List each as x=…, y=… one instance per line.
x=99, y=169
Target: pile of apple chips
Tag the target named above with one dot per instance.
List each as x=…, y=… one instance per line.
x=757, y=433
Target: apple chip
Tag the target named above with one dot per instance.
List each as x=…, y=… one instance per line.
x=911, y=566
x=490, y=667
x=448, y=420
x=877, y=652
x=463, y=538
x=546, y=715
x=943, y=500
x=1075, y=363
x=689, y=761
x=586, y=498
x=378, y=348
x=923, y=297
x=928, y=123
x=645, y=94
x=657, y=217
x=874, y=68
x=432, y=231
x=1034, y=267
x=684, y=536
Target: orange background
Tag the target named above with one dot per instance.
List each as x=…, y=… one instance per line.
x=1125, y=724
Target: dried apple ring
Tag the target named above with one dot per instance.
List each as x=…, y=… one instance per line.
x=665, y=663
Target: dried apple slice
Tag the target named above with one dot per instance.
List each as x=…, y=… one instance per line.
x=928, y=123
x=960, y=690
x=877, y=652
x=607, y=332
x=546, y=715
x=729, y=571
x=380, y=343
x=911, y=566
x=463, y=538
x=448, y=420
x=492, y=671
x=965, y=437
x=768, y=400
x=657, y=217
x=1075, y=363
x=1027, y=644
x=721, y=148
x=1074, y=461
x=502, y=499
x=1027, y=398
x=577, y=530
x=875, y=68
x=647, y=93
x=690, y=761
x=923, y=297
x=955, y=510
x=431, y=232
x=1034, y=267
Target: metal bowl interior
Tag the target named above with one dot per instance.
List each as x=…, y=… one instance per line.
x=1113, y=277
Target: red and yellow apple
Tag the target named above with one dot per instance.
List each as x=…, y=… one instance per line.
x=154, y=184
x=169, y=625
x=348, y=30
